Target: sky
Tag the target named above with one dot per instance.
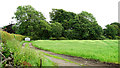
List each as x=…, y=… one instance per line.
x=105, y=11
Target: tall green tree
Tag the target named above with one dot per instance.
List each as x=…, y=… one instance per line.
x=63, y=17
x=117, y=26
x=31, y=22
x=57, y=29
x=86, y=26
x=110, y=31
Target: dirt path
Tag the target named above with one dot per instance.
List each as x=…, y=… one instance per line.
x=79, y=60
x=59, y=62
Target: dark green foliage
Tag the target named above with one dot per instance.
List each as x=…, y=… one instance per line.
x=111, y=32
x=117, y=26
x=102, y=37
x=53, y=38
x=56, y=29
x=31, y=23
x=117, y=37
x=62, y=38
x=44, y=30
x=58, y=38
x=63, y=17
x=5, y=51
x=70, y=34
x=77, y=26
x=86, y=26
x=8, y=28
x=63, y=24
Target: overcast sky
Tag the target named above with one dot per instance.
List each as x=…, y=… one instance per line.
x=105, y=11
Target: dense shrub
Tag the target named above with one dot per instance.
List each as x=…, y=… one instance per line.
x=25, y=54
x=7, y=36
x=112, y=30
x=102, y=37
x=59, y=38
x=117, y=37
x=18, y=37
x=21, y=55
x=53, y=38
x=62, y=38
x=70, y=34
x=56, y=29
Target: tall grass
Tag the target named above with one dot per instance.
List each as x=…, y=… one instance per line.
x=26, y=54
x=23, y=56
x=7, y=36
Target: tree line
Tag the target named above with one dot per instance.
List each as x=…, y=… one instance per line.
x=63, y=25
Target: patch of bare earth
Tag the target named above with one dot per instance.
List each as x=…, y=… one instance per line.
x=78, y=60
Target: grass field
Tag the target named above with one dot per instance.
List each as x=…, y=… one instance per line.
x=102, y=50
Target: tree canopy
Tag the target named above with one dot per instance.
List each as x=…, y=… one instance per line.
x=56, y=29
x=112, y=30
x=64, y=24
x=63, y=17
x=31, y=22
x=84, y=24
x=87, y=27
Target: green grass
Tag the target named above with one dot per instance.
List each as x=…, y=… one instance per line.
x=27, y=45
x=27, y=54
x=102, y=50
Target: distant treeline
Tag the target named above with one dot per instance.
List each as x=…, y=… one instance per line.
x=63, y=25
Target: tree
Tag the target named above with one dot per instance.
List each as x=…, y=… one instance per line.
x=86, y=26
x=56, y=29
x=110, y=31
x=31, y=22
x=63, y=17
x=43, y=30
x=71, y=34
x=117, y=26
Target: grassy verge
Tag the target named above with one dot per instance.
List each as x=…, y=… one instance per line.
x=22, y=56
x=46, y=61
x=26, y=54
x=102, y=50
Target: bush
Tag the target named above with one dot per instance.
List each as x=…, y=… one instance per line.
x=117, y=37
x=52, y=38
x=102, y=37
x=23, y=54
x=7, y=36
x=62, y=38
x=18, y=37
x=59, y=38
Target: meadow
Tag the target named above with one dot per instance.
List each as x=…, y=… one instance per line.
x=102, y=50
